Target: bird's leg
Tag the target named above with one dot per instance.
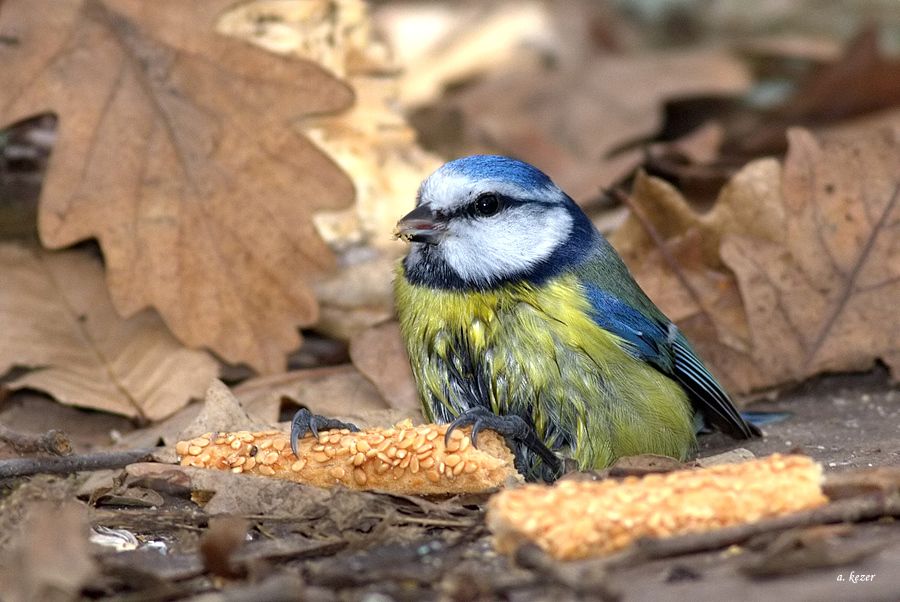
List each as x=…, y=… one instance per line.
x=305, y=421
x=512, y=428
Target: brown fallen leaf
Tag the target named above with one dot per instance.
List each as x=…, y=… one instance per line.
x=570, y=121
x=686, y=277
x=750, y=203
x=824, y=298
x=221, y=412
x=379, y=353
x=371, y=141
x=175, y=151
x=56, y=317
x=334, y=391
x=862, y=80
x=795, y=269
x=225, y=536
x=52, y=558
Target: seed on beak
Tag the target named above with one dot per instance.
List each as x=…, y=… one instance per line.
x=420, y=225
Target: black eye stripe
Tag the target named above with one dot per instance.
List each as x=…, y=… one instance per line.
x=506, y=202
x=471, y=209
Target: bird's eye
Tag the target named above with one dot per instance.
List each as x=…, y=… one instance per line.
x=487, y=205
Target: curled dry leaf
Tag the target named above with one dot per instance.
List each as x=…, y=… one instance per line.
x=52, y=558
x=175, y=151
x=56, y=315
x=372, y=142
x=380, y=355
x=795, y=269
x=823, y=298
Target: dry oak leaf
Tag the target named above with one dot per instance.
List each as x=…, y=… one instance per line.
x=176, y=151
x=824, y=298
x=687, y=277
x=795, y=269
x=56, y=315
x=372, y=142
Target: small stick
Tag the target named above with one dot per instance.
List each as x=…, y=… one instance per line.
x=843, y=511
x=52, y=442
x=21, y=467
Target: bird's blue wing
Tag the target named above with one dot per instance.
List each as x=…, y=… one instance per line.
x=662, y=345
x=644, y=338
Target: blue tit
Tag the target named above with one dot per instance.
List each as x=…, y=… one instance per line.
x=519, y=316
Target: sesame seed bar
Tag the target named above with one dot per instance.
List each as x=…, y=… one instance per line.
x=401, y=459
x=579, y=519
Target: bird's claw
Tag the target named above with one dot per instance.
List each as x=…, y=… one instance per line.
x=305, y=421
x=511, y=427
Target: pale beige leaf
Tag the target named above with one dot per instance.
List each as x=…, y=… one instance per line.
x=338, y=391
x=176, y=151
x=371, y=141
x=379, y=353
x=222, y=412
x=466, y=41
x=357, y=297
x=56, y=315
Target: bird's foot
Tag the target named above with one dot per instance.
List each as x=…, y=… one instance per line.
x=510, y=427
x=305, y=421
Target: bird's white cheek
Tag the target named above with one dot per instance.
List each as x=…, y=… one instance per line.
x=486, y=250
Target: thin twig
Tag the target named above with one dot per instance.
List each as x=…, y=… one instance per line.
x=844, y=511
x=52, y=442
x=283, y=587
x=436, y=522
x=664, y=250
x=21, y=467
x=580, y=577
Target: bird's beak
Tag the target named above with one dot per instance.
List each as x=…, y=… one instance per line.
x=420, y=225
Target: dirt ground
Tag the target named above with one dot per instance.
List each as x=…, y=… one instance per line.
x=341, y=545
x=844, y=422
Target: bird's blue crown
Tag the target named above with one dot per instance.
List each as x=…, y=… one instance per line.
x=496, y=167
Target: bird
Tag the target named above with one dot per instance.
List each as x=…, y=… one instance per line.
x=519, y=316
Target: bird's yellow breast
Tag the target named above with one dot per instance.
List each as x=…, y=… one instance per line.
x=537, y=351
